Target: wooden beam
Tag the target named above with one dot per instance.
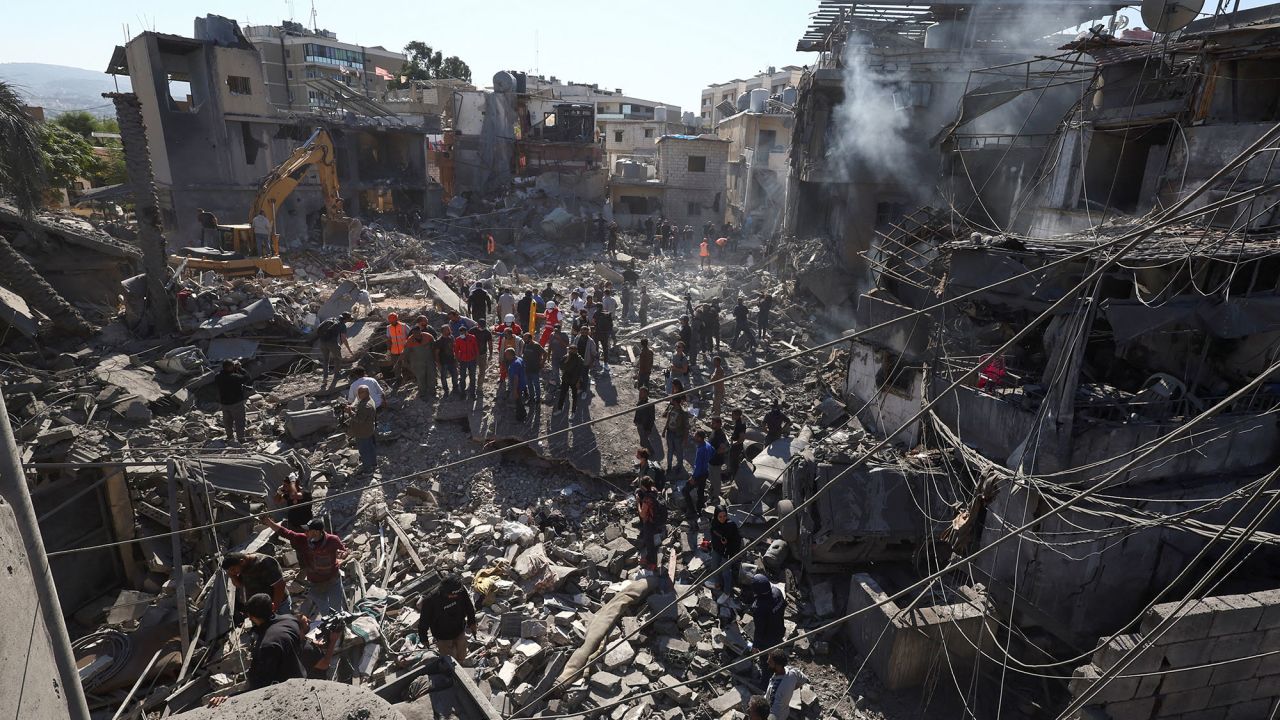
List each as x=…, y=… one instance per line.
x=407, y=543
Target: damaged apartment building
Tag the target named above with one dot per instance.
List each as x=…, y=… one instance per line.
x=216, y=124
x=1072, y=329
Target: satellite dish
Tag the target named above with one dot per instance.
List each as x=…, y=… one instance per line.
x=1165, y=16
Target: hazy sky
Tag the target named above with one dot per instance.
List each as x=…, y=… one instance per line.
x=659, y=50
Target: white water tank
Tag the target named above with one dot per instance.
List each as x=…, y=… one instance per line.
x=759, y=99
x=504, y=82
x=744, y=101
x=660, y=113
x=790, y=95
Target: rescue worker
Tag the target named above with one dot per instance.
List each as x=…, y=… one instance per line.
x=397, y=342
x=449, y=614
x=551, y=320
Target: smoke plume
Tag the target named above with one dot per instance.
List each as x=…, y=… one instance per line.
x=870, y=140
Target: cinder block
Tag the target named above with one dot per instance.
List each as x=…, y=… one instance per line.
x=1210, y=713
x=1270, y=601
x=1268, y=686
x=1235, y=672
x=1140, y=709
x=1192, y=623
x=1186, y=701
x=1259, y=709
x=1187, y=654
x=1186, y=680
x=1148, y=686
x=1147, y=660
x=1244, y=615
x=1269, y=665
x=1231, y=647
x=1232, y=693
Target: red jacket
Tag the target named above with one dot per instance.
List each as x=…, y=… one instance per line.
x=465, y=348
x=319, y=562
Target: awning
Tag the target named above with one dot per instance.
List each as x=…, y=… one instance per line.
x=106, y=193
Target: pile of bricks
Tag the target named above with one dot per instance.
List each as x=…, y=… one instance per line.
x=1170, y=680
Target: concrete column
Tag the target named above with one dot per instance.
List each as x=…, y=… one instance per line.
x=137, y=159
x=14, y=491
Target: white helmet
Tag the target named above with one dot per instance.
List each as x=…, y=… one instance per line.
x=551, y=304
x=509, y=319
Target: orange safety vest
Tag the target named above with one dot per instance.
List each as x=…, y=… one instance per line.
x=704, y=251
x=397, y=333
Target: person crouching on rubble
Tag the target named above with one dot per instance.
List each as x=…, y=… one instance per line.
x=449, y=614
x=320, y=554
x=361, y=428
x=277, y=655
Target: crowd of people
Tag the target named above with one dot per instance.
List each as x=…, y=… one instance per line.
x=535, y=346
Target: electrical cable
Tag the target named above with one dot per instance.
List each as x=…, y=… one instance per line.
x=1174, y=434
x=1135, y=239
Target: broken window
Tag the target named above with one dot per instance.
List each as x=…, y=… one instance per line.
x=617, y=136
x=895, y=375
x=238, y=85
x=694, y=209
x=697, y=163
x=648, y=132
x=767, y=139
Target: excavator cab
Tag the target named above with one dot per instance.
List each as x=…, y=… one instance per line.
x=239, y=252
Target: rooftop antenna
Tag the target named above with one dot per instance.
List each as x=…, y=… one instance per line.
x=314, y=25
x=1166, y=16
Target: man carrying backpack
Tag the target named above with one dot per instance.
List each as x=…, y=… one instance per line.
x=331, y=337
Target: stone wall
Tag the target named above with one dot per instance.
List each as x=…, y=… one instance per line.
x=904, y=644
x=1211, y=632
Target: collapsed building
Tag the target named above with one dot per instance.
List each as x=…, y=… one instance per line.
x=1068, y=339
x=214, y=128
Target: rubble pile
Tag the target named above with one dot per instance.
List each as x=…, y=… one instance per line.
x=543, y=531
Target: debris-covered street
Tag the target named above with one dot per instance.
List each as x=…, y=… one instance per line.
x=931, y=373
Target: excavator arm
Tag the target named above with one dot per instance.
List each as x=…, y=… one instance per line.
x=317, y=152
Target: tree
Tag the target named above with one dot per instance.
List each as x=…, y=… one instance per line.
x=110, y=168
x=23, y=176
x=78, y=122
x=453, y=67
x=426, y=63
x=67, y=156
x=22, y=164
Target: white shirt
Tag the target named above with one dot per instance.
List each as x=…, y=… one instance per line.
x=375, y=390
x=578, y=304
x=608, y=303
x=506, y=305
x=261, y=225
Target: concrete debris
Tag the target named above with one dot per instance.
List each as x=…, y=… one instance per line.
x=544, y=535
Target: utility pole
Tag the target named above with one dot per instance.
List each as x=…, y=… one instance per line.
x=14, y=492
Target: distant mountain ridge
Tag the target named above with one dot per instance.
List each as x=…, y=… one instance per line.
x=59, y=88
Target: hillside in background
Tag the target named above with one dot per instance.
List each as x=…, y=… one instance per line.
x=59, y=88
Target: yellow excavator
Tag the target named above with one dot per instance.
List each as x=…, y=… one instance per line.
x=239, y=253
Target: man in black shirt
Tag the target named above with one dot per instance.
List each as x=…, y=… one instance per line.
x=231, y=383
x=645, y=420
x=719, y=453
x=254, y=574
x=523, y=307
x=446, y=366
x=479, y=303
x=448, y=613
x=278, y=654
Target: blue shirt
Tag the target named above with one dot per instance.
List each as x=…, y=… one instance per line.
x=702, y=460
x=515, y=373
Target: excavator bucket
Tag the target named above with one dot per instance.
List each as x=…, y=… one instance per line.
x=341, y=232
